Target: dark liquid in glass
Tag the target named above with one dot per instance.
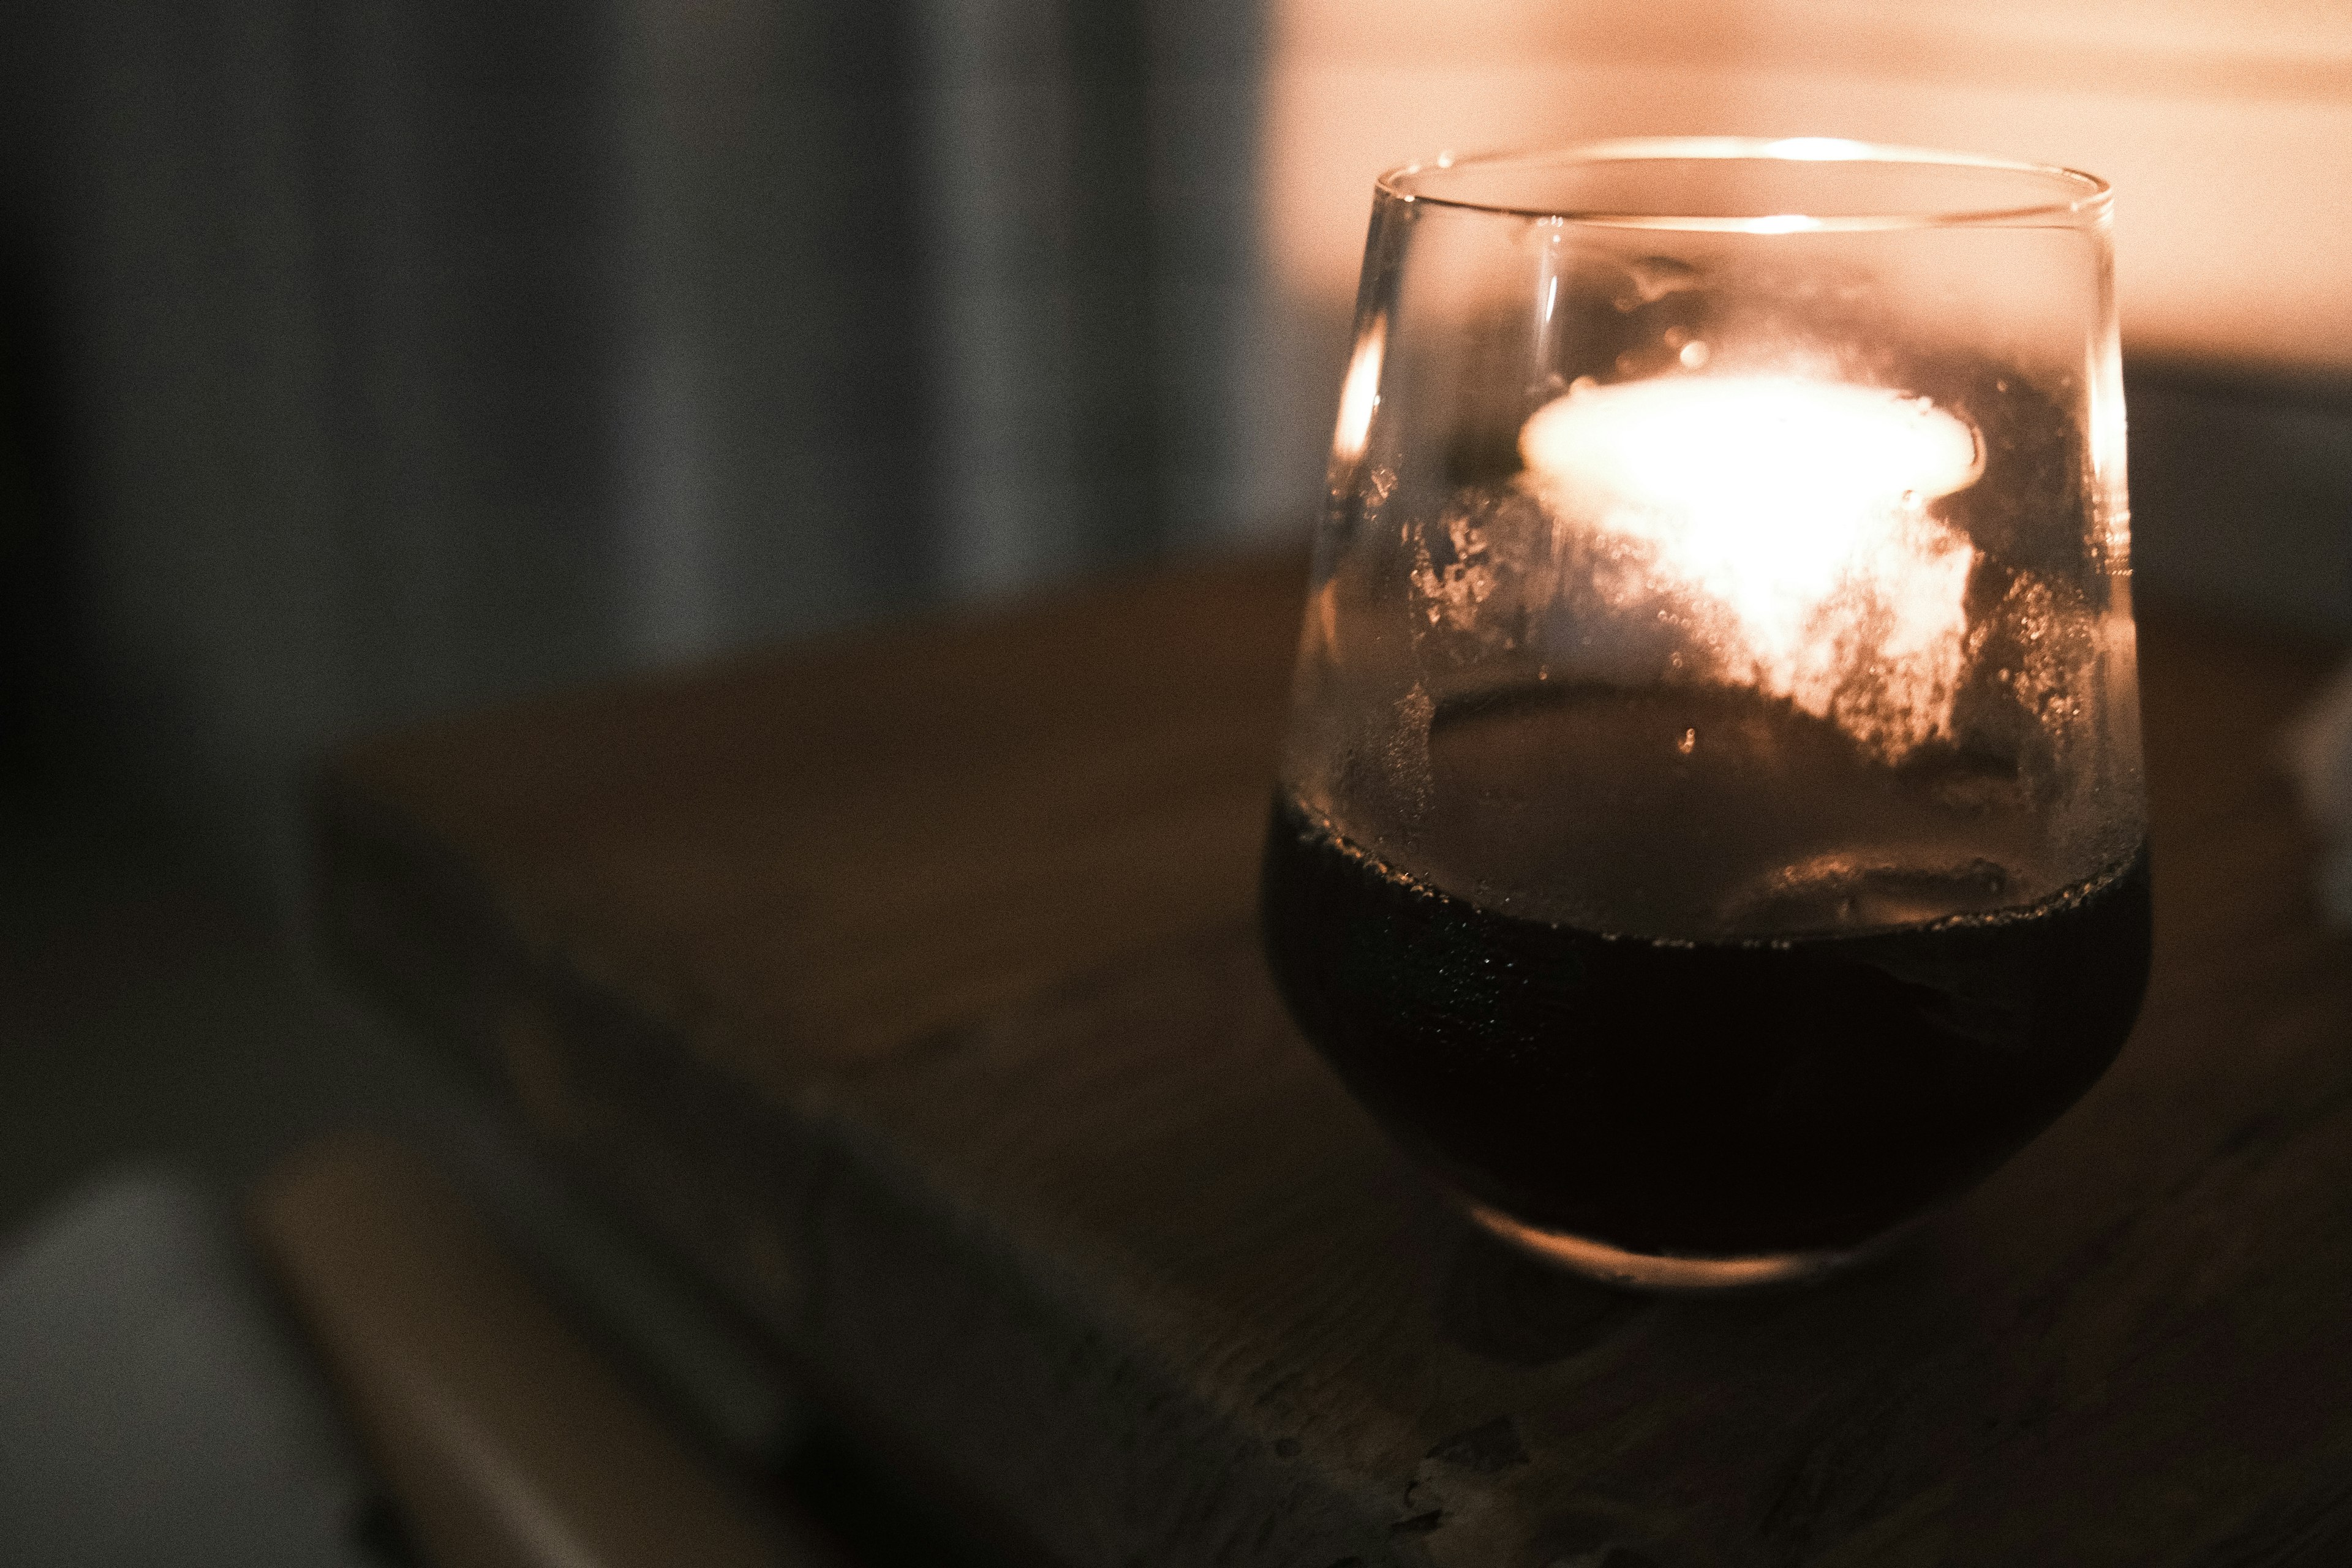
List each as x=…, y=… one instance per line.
x=1712, y=1094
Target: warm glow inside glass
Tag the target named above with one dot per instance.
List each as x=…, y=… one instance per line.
x=1711, y=830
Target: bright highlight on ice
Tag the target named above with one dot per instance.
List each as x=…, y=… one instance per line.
x=1788, y=519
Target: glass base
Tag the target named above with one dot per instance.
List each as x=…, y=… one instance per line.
x=1658, y=1271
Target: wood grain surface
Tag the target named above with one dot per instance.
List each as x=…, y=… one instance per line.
x=908, y=986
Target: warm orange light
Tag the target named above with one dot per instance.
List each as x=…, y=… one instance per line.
x=1360, y=393
x=2222, y=124
x=1788, y=519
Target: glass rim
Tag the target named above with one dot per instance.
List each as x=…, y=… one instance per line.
x=2076, y=195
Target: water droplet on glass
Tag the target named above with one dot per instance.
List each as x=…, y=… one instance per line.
x=1688, y=744
x=1656, y=276
x=1695, y=354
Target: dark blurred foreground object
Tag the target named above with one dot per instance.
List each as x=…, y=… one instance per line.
x=506, y=1441
x=909, y=987
x=157, y=1409
x=152, y=1411
x=2318, y=757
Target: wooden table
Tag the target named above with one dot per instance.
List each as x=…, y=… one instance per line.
x=908, y=986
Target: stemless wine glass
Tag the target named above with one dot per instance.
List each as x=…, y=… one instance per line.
x=1711, y=831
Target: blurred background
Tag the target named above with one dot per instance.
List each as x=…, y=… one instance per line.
x=362, y=360
x=365, y=360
